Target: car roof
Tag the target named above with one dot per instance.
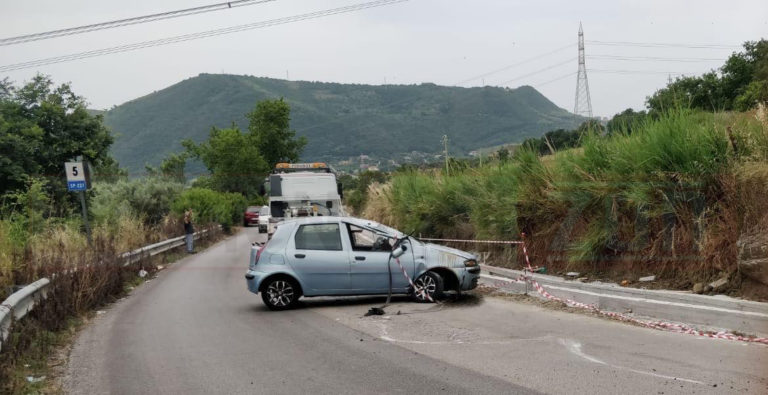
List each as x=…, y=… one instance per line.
x=326, y=219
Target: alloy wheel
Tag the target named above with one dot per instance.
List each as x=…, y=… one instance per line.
x=280, y=293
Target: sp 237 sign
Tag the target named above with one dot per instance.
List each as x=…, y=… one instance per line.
x=77, y=176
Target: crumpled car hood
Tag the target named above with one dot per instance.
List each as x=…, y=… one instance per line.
x=446, y=256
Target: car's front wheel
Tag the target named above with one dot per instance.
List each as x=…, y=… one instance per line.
x=429, y=287
x=280, y=293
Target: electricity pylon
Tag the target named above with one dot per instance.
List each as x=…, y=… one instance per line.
x=583, y=105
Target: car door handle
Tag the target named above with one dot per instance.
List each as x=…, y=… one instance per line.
x=300, y=256
x=359, y=258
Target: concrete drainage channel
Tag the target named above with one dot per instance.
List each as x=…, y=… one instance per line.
x=709, y=312
x=21, y=302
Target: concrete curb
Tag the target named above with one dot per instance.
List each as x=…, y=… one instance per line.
x=720, y=312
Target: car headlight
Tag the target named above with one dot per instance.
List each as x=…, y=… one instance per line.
x=470, y=263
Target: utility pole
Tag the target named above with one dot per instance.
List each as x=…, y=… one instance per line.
x=445, y=153
x=583, y=104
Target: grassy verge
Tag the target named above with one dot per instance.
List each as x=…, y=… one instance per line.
x=669, y=199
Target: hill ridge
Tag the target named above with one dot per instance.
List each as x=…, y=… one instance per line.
x=339, y=120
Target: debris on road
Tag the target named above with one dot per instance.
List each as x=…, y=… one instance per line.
x=142, y=273
x=375, y=311
x=719, y=285
x=572, y=274
x=647, y=279
x=698, y=288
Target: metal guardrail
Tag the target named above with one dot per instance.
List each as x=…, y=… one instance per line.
x=21, y=302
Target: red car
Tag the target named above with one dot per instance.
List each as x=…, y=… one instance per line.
x=251, y=216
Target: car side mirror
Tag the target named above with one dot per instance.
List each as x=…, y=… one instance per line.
x=399, y=251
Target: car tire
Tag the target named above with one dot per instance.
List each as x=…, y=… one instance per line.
x=280, y=293
x=258, y=230
x=434, y=285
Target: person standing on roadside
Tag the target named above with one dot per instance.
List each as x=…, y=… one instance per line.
x=189, y=231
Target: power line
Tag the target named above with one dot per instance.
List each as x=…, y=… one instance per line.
x=515, y=64
x=128, y=21
x=639, y=71
x=662, y=45
x=555, y=79
x=654, y=58
x=538, y=71
x=196, y=36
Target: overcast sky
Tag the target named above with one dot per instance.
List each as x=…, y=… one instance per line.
x=441, y=41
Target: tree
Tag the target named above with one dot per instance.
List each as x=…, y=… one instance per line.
x=271, y=132
x=233, y=158
x=109, y=171
x=740, y=83
x=562, y=139
x=41, y=127
x=503, y=154
x=171, y=167
x=626, y=121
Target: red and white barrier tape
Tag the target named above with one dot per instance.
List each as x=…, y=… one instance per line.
x=659, y=325
x=420, y=291
x=475, y=241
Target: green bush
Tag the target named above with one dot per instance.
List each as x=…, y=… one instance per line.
x=146, y=198
x=209, y=206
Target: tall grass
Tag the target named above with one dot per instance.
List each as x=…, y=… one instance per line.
x=658, y=200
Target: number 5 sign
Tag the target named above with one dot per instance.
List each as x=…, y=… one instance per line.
x=77, y=176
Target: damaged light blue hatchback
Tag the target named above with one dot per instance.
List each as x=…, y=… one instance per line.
x=324, y=256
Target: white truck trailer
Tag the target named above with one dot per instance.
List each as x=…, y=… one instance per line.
x=303, y=190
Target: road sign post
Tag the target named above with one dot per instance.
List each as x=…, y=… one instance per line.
x=78, y=179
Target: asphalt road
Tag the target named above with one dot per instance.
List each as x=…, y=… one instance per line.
x=196, y=329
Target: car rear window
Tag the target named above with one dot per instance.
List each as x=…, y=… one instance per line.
x=279, y=239
x=318, y=237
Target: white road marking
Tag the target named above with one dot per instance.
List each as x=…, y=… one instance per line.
x=575, y=348
x=497, y=278
x=386, y=337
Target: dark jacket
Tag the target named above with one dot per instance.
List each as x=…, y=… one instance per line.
x=188, y=229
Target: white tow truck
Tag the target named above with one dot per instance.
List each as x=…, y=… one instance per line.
x=303, y=190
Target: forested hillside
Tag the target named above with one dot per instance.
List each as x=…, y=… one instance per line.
x=339, y=120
